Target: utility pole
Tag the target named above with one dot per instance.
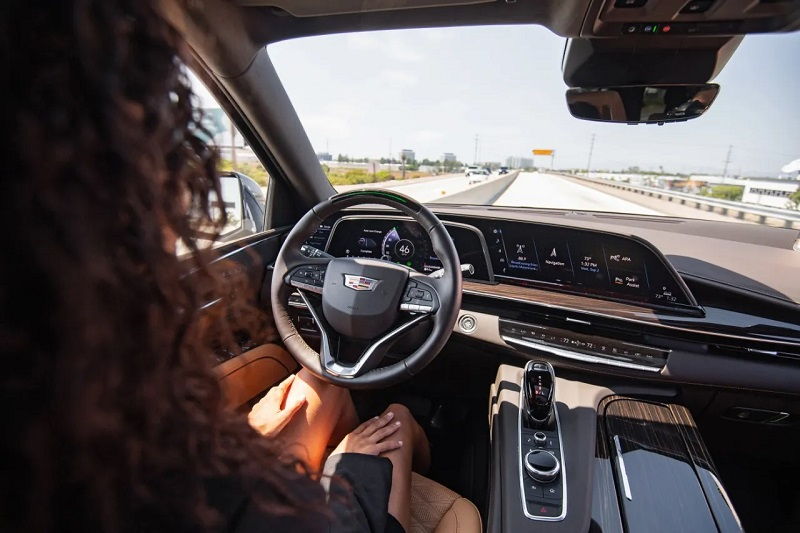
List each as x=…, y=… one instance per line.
x=727, y=161
x=589, y=162
x=475, y=157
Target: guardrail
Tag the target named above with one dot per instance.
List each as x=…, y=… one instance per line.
x=763, y=215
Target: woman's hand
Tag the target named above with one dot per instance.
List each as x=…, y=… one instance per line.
x=371, y=437
x=269, y=416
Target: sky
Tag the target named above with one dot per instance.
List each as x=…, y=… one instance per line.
x=433, y=90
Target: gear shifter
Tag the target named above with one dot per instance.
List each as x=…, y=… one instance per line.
x=538, y=393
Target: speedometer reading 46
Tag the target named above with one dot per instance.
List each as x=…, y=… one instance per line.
x=395, y=248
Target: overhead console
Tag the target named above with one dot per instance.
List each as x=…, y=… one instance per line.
x=648, y=18
x=666, y=42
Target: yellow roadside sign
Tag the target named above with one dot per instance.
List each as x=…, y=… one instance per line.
x=537, y=151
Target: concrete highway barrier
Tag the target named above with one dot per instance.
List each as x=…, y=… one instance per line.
x=483, y=194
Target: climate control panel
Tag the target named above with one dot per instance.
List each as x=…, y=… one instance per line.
x=583, y=347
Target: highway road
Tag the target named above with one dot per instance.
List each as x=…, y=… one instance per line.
x=540, y=190
x=535, y=189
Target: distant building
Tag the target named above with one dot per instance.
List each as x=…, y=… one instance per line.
x=324, y=156
x=772, y=193
x=447, y=157
x=717, y=180
x=408, y=155
x=519, y=162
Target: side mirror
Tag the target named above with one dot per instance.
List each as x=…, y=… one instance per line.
x=641, y=104
x=233, y=203
x=243, y=202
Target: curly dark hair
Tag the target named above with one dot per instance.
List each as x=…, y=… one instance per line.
x=113, y=419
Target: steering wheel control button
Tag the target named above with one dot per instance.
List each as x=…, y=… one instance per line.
x=419, y=297
x=467, y=323
x=542, y=466
x=308, y=277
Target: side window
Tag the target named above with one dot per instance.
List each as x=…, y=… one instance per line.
x=244, y=179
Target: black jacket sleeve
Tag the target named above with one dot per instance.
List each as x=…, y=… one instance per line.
x=351, y=497
x=358, y=489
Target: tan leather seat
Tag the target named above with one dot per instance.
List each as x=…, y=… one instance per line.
x=435, y=508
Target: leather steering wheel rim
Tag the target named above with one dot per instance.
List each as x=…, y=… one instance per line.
x=447, y=288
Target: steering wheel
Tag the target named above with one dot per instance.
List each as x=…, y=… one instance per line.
x=362, y=306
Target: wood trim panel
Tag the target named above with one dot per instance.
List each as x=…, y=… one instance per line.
x=718, y=329
x=246, y=376
x=673, y=470
x=560, y=299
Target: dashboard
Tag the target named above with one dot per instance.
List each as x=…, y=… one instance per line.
x=585, y=262
x=597, y=297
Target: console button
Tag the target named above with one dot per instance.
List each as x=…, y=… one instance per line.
x=552, y=492
x=533, y=491
x=629, y=29
x=544, y=510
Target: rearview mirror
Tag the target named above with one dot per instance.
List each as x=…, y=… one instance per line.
x=642, y=104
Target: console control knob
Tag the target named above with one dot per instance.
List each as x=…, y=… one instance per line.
x=543, y=466
x=539, y=438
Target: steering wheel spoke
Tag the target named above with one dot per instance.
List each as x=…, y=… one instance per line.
x=332, y=344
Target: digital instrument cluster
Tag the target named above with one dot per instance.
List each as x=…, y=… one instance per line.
x=517, y=253
x=404, y=242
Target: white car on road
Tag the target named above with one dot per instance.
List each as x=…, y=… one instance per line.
x=476, y=174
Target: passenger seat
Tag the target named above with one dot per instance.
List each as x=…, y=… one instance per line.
x=437, y=509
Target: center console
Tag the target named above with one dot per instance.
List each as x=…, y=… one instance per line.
x=573, y=456
x=541, y=460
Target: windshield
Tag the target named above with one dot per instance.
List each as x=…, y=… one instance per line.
x=478, y=115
